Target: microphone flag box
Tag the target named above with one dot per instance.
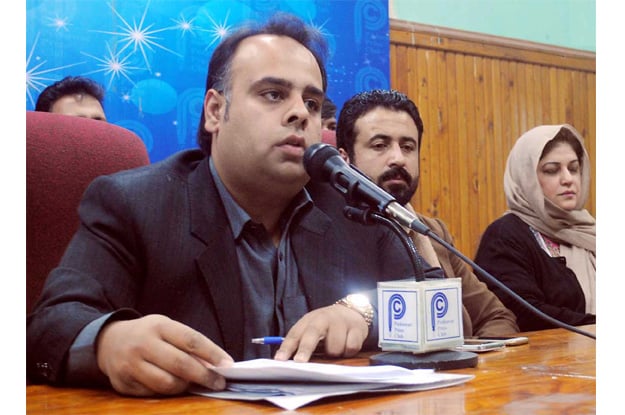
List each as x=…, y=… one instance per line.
x=420, y=316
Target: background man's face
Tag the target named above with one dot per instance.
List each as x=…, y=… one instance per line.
x=79, y=105
x=386, y=149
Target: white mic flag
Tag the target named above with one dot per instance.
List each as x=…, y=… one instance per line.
x=420, y=316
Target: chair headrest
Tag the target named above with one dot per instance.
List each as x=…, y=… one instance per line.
x=328, y=137
x=64, y=153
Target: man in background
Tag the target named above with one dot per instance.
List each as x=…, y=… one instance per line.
x=73, y=95
x=380, y=132
x=328, y=115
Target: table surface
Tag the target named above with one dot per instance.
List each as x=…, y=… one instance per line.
x=553, y=374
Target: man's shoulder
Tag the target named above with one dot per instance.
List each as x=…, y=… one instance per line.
x=429, y=220
x=325, y=197
x=176, y=166
x=434, y=224
x=331, y=203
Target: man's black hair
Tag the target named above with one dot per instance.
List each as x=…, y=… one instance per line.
x=328, y=109
x=69, y=85
x=363, y=102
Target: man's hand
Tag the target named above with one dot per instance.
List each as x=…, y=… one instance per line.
x=156, y=355
x=343, y=330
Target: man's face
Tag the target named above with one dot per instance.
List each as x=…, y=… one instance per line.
x=80, y=105
x=386, y=149
x=329, y=124
x=274, y=114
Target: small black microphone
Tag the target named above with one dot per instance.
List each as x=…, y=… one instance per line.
x=324, y=163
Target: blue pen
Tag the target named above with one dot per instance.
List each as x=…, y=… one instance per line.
x=268, y=340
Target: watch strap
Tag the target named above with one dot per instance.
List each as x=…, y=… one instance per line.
x=361, y=306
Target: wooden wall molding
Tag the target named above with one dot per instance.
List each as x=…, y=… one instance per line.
x=441, y=38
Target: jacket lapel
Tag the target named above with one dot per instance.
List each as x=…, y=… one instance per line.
x=316, y=261
x=217, y=263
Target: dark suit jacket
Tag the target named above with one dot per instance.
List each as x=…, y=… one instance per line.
x=156, y=240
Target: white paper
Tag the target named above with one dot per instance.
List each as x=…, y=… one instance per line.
x=286, y=371
x=291, y=385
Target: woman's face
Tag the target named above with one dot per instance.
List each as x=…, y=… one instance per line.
x=559, y=174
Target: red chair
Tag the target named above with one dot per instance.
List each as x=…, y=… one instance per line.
x=63, y=155
x=328, y=137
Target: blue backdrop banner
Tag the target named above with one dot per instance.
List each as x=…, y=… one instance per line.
x=152, y=56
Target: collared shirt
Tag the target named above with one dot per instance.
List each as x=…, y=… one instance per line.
x=272, y=293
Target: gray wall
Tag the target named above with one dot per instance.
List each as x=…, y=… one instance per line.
x=568, y=23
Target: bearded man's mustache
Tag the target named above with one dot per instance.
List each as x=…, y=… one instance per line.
x=393, y=172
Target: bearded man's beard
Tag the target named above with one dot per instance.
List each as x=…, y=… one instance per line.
x=401, y=192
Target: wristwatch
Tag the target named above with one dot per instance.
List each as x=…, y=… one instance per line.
x=359, y=303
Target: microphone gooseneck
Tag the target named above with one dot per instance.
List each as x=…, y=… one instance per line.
x=366, y=216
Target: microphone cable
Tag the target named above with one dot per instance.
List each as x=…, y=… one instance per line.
x=507, y=290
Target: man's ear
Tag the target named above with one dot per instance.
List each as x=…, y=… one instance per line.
x=344, y=155
x=214, y=104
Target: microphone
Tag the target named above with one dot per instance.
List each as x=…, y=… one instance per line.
x=324, y=163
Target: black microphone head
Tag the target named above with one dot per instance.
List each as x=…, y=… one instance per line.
x=315, y=158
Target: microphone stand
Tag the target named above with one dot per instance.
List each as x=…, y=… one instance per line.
x=445, y=359
x=367, y=216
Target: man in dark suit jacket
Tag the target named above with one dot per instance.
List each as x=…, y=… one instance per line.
x=177, y=265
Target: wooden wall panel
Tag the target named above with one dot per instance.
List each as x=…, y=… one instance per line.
x=477, y=94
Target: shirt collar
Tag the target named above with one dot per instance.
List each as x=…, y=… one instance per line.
x=238, y=217
x=235, y=213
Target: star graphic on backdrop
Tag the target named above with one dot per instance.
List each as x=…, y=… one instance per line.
x=35, y=79
x=217, y=30
x=139, y=36
x=319, y=28
x=185, y=26
x=114, y=65
x=59, y=23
